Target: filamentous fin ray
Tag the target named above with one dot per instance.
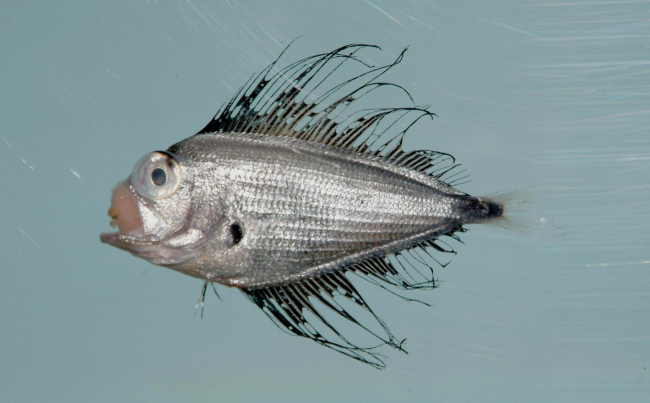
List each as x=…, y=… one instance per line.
x=284, y=102
x=200, y=302
x=286, y=304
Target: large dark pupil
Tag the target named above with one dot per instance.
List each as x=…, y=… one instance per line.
x=158, y=177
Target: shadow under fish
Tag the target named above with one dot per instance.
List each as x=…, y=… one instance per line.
x=289, y=189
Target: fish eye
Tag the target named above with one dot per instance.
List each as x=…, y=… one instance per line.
x=157, y=175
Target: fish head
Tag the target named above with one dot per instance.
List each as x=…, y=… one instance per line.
x=154, y=211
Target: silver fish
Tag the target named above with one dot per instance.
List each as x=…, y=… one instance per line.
x=287, y=191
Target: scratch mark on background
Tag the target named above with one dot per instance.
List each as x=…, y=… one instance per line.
x=6, y=141
x=198, y=12
x=423, y=23
x=619, y=115
x=264, y=28
x=238, y=35
x=58, y=94
x=113, y=74
x=606, y=264
x=63, y=86
x=11, y=148
x=384, y=12
x=153, y=25
x=624, y=27
x=514, y=29
x=228, y=86
x=592, y=38
x=29, y=237
x=75, y=173
x=594, y=3
x=27, y=164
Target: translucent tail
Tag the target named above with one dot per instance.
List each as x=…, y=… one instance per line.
x=524, y=210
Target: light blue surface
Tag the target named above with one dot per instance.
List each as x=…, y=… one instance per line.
x=537, y=95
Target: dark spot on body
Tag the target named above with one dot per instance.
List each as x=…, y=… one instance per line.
x=236, y=232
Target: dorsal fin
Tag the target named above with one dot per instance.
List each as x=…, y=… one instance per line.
x=284, y=102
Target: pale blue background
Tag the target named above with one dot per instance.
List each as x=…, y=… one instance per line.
x=532, y=95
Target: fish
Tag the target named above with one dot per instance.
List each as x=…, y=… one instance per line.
x=292, y=190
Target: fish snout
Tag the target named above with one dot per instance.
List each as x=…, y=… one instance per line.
x=124, y=210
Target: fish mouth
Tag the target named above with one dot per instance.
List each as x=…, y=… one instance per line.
x=149, y=247
x=135, y=220
x=137, y=243
x=126, y=216
x=124, y=211
x=129, y=241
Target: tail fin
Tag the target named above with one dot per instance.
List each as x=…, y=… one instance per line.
x=523, y=210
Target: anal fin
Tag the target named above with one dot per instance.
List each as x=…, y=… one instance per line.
x=309, y=308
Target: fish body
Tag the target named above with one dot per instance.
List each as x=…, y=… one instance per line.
x=281, y=198
x=306, y=208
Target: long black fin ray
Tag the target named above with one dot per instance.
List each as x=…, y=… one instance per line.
x=295, y=101
x=286, y=304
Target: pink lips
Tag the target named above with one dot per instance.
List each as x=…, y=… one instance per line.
x=124, y=209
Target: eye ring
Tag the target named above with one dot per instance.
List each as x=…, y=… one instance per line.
x=157, y=175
